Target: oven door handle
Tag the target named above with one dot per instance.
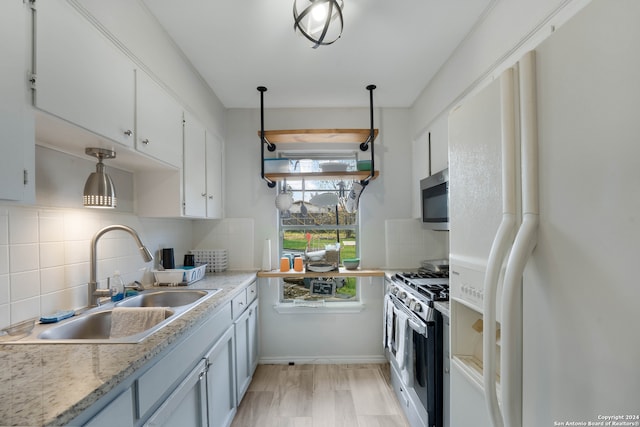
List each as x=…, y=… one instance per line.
x=414, y=322
x=418, y=326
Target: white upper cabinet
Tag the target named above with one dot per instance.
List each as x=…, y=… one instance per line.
x=214, y=154
x=195, y=190
x=17, y=135
x=195, y=168
x=80, y=75
x=158, y=121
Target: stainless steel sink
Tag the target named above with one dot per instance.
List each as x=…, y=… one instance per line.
x=168, y=298
x=93, y=326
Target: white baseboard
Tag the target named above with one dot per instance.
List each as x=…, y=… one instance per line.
x=325, y=360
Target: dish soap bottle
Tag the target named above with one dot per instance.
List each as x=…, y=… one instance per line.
x=117, y=287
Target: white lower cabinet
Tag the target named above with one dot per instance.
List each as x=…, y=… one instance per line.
x=117, y=413
x=246, y=331
x=195, y=383
x=221, y=395
x=186, y=406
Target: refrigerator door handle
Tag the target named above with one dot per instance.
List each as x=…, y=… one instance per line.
x=499, y=248
x=525, y=242
x=501, y=243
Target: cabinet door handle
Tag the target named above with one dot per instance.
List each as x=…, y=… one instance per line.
x=128, y=133
x=145, y=141
x=211, y=197
x=203, y=194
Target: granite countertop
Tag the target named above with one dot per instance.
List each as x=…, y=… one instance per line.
x=51, y=384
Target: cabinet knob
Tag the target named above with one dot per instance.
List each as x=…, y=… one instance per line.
x=145, y=141
x=203, y=194
x=210, y=197
x=128, y=133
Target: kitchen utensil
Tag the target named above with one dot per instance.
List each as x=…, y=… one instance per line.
x=284, y=264
x=189, y=260
x=325, y=199
x=364, y=165
x=284, y=200
x=315, y=255
x=354, y=197
x=333, y=167
x=168, y=262
x=351, y=263
x=266, y=255
x=320, y=267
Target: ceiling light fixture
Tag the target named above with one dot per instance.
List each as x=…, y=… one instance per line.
x=320, y=21
x=99, y=191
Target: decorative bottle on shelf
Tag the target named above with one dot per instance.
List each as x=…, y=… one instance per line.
x=117, y=287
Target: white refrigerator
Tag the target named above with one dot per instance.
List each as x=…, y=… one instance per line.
x=544, y=167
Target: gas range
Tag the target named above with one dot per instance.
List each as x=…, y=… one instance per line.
x=433, y=285
x=417, y=290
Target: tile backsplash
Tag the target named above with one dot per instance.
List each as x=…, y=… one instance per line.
x=44, y=256
x=408, y=243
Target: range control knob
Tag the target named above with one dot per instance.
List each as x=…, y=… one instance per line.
x=402, y=295
x=417, y=307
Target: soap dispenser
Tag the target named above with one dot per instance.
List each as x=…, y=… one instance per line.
x=117, y=287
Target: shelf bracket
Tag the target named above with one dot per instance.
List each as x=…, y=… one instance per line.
x=263, y=141
x=365, y=145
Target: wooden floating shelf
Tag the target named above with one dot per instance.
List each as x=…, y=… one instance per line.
x=347, y=136
x=353, y=175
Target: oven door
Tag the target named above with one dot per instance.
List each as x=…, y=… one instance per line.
x=399, y=321
x=427, y=366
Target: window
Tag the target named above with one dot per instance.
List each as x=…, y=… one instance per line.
x=317, y=225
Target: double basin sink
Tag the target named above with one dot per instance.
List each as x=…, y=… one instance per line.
x=94, y=326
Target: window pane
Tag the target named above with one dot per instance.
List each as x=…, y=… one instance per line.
x=296, y=241
x=314, y=289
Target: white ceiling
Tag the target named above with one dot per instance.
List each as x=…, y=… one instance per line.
x=239, y=45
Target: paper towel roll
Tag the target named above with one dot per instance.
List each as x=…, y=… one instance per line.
x=266, y=256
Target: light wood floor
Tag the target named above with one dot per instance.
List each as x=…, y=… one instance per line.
x=320, y=396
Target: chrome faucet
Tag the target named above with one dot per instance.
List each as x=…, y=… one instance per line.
x=94, y=294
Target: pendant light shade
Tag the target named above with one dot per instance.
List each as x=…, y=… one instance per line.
x=320, y=21
x=99, y=191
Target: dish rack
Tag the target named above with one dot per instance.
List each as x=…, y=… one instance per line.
x=216, y=259
x=179, y=276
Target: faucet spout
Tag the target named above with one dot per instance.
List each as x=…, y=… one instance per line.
x=93, y=294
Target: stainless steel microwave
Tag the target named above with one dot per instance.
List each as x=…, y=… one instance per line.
x=434, y=197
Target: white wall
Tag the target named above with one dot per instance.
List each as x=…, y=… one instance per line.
x=322, y=337
x=494, y=43
x=387, y=197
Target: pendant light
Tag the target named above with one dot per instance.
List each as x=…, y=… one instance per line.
x=99, y=191
x=320, y=21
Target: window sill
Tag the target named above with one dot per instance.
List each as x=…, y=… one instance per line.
x=319, y=307
x=343, y=272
